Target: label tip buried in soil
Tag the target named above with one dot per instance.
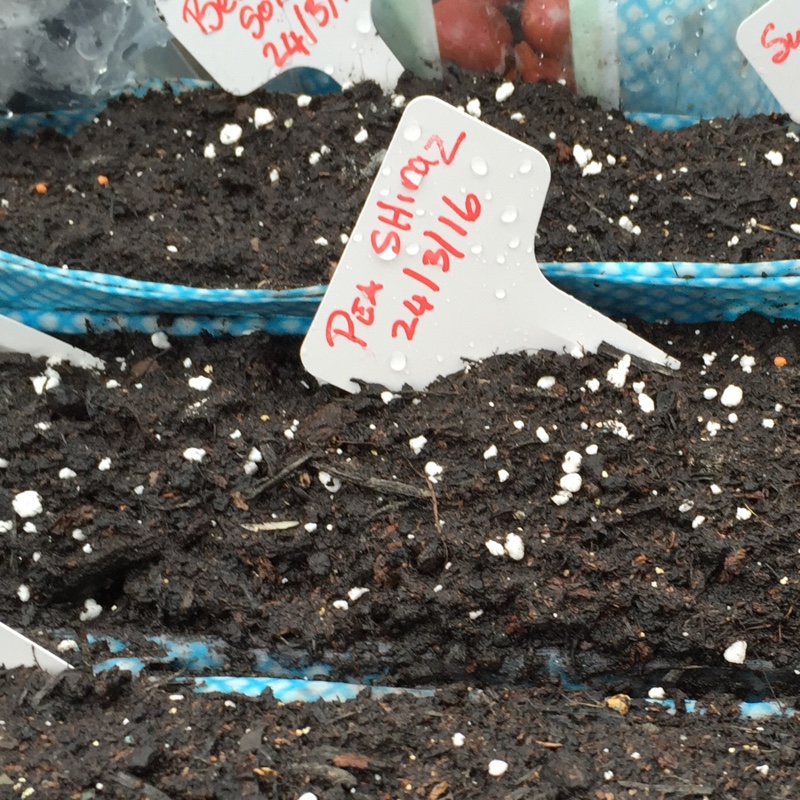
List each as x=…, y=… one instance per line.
x=17, y=650
x=18, y=338
x=440, y=267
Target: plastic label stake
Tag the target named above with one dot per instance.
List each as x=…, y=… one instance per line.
x=440, y=266
x=17, y=650
x=245, y=44
x=770, y=40
x=18, y=338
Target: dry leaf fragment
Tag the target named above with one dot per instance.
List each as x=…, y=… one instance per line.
x=239, y=502
x=143, y=366
x=274, y=525
x=266, y=772
x=351, y=761
x=621, y=703
x=563, y=151
x=734, y=563
x=438, y=790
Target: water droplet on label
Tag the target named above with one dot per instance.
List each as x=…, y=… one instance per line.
x=479, y=166
x=364, y=25
x=526, y=166
x=509, y=215
x=440, y=359
x=488, y=195
x=357, y=237
x=329, y=69
x=387, y=255
x=477, y=249
x=420, y=212
x=383, y=192
x=500, y=294
x=412, y=132
x=514, y=243
x=386, y=171
x=412, y=249
x=501, y=259
x=472, y=344
x=397, y=362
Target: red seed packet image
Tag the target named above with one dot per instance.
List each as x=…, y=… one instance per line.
x=526, y=39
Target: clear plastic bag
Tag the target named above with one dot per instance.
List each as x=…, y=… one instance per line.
x=57, y=54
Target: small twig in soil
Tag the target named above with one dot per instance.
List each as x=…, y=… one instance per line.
x=376, y=484
x=764, y=564
x=279, y=477
x=173, y=679
x=666, y=788
x=389, y=508
x=192, y=503
x=13, y=561
x=778, y=232
x=144, y=789
x=46, y=689
x=436, y=519
x=591, y=206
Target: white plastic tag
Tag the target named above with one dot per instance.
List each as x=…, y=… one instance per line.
x=440, y=266
x=18, y=338
x=17, y=650
x=770, y=40
x=245, y=44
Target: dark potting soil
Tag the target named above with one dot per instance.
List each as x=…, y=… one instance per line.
x=682, y=539
x=110, y=737
x=700, y=194
x=641, y=580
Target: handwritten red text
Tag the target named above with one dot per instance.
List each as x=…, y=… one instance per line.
x=311, y=16
x=442, y=247
x=343, y=323
x=396, y=216
x=439, y=255
x=784, y=44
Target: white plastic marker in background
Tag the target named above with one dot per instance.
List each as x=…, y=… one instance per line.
x=17, y=650
x=770, y=40
x=441, y=268
x=245, y=44
x=18, y=338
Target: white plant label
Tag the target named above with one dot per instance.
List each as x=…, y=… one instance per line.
x=17, y=650
x=243, y=44
x=15, y=337
x=440, y=266
x=770, y=40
